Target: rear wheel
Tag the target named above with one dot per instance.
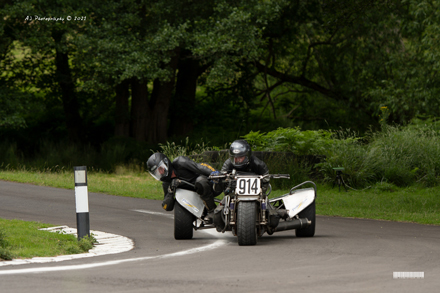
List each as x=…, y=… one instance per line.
x=246, y=223
x=309, y=213
x=183, y=223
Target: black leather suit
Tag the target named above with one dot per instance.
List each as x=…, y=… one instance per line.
x=255, y=166
x=188, y=170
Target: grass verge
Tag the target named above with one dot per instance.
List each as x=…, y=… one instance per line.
x=382, y=202
x=122, y=183
x=21, y=239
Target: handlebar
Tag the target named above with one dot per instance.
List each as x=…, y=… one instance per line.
x=280, y=176
x=229, y=175
x=177, y=182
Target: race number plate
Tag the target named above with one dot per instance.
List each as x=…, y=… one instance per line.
x=248, y=186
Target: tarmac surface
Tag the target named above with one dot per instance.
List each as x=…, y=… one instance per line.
x=346, y=255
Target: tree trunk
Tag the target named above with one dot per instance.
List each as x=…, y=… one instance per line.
x=122, y=114
x=68, y=95
x=139, y=109
x=160, y=104
x=181, y=116
x=157, y=130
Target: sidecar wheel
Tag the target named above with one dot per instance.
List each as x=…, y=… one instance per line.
x=246, y=223
x=309, y=213
x=183, y=223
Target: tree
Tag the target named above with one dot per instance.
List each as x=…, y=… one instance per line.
x=411, y=86
x=129, y=51
x=307, y=50
x=40, y=26
x=137, y=64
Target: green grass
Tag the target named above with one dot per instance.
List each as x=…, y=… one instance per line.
x=21, y=239
x=382, y=201
x=122, y=183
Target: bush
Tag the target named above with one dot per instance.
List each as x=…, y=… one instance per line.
x=55, y=156
x=5, y=253
x=299, y=168
x=398, y=155
x=384, y=186
x=310, y=142
x=349, y=152
x=63, y=154
x=86, y=243
x=10, y=156
x=172, y=151
x=407, y=154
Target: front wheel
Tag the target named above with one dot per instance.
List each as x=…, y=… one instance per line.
x=246, y=223
x=183, y=223
x=309, y=213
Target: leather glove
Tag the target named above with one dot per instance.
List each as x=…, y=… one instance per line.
x=173, y=185
x=168, y=202
x=215, y=173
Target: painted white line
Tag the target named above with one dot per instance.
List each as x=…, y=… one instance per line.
x=170, y=215
x=107, y=244
x=214, y=245
x=212, y=231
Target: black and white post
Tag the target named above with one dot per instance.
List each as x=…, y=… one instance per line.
x=82, y=202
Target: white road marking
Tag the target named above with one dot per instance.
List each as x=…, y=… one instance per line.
x=212, y=231
x=107, y=244
x=170, y=215
x=214, y=245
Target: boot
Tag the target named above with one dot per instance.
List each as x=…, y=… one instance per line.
x=210, y=206
x=209, y=218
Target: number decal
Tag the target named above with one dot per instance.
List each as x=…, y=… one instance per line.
x=255, y=187
x=242, y=186
x=248, y=186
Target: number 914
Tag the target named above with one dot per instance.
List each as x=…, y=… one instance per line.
x=248, y=186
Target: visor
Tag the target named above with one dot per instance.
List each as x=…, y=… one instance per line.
x=160, y=171
x=239, y=161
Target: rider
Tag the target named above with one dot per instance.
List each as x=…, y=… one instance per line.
x=183, y=168
x=242, y=160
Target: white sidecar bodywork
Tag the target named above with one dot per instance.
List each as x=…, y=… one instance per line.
x=191, y=201
x=297, y=200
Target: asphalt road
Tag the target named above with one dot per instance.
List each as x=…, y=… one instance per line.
x=346, y=255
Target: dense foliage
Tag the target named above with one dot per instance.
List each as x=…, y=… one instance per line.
x=102, y=83
x=399, y=155
x=309, y=142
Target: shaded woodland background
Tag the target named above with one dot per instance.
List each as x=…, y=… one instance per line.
x=129, y=75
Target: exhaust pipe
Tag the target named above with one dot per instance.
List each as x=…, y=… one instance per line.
x=294, y=224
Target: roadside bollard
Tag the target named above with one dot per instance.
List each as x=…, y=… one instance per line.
x=82, y=202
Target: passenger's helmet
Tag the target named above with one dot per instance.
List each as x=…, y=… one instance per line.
x=240, y=153
x=159, y=166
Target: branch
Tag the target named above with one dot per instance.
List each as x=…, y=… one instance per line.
x=301, y=80
x=288, y=91
x=290, y=113
x=271, y=88
x=309, y=49
x=268, y=95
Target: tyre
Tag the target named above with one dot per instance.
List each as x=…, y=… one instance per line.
x=309, y=213
x=246, y=223
x=183, y=223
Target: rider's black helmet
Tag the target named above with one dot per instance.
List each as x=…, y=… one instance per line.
x=240, y=153
x=159, y=166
